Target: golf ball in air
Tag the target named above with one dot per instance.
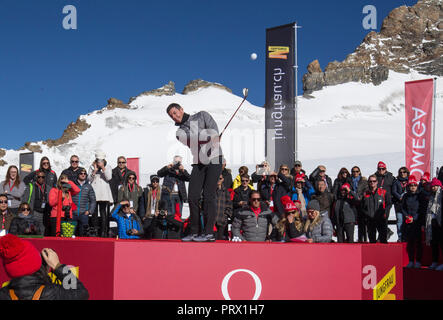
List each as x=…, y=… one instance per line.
x=253, y=56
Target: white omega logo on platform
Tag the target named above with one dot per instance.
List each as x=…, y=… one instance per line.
x=225, y=282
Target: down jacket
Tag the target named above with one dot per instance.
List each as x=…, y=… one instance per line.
x=254, y=229
x=85, y=199
x=320, y=231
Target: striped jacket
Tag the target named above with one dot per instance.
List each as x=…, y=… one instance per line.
x=85, y=199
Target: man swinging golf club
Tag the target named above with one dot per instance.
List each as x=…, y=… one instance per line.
x=200, y=133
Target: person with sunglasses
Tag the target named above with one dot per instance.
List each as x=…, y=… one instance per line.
x=14, y=188
x=130, y=191
x=45, y=167
x=320, y=174
x=385, y=181
x=318, y=227
x=241, y=194
x=223, y=208
x=290, y=227
x=375, y=206
x=128, y=222
x=85, y=202
x=73, y=171
x=359, y=185
x=6, y=215
x=25, y=223
x=119, y=176
x=37, y=196
x=343, y=177
x=252, y=222
x=399, y=189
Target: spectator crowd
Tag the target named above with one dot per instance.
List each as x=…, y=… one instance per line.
x=284, y=206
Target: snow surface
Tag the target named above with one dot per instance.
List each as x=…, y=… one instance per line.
x=342, y=126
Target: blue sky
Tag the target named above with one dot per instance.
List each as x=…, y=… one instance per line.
x=49, y=76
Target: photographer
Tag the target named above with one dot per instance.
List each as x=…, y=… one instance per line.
x=128, y=222
x=175, y=175
x=164, y=225
x=60, y=199
x=99, y=176
x=25, y=223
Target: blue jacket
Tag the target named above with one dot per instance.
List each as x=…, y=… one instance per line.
x=124, y=223
x=308, y=191
x=85, y=199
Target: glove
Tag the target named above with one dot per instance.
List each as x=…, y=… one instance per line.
x=236, y=239
x=409, y=220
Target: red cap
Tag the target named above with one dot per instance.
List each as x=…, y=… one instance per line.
x=20, y=258
x=300, y=178
x=288, y=204
x=436, y=182
x=426, y=176
x=345, y=186
x=412, y=180
x=381, y=165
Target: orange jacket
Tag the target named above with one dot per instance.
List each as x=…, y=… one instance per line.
x=54, y=196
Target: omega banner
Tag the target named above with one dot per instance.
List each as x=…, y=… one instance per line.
x=280, y=95
x=418, y=107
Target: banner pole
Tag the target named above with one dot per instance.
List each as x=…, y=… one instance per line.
x=434, y=105
x=296, y=92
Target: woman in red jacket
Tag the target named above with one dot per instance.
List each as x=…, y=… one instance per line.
x=60, y=199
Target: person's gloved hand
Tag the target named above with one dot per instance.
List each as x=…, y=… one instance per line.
x=409, y=219
x=236, y=239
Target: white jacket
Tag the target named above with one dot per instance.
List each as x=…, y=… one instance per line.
x=100, y=184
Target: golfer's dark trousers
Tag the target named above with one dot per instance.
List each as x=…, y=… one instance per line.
x=203, y=182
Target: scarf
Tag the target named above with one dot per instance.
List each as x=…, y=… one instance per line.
x=433, y=212
x=355, y=182
x=300, y=197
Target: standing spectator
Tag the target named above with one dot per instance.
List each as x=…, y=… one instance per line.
x=261, y=173
x=320, y=174
x=50, y=175
x=60, y=199
x=290, y=226
x=343, y=177
x=119, y=176
x=253, y=221
x=283, y=188
x=359, y=185
x=237, y=181
x=223, y=208
x=440, y=174
x=241, y=194
x=399, y=189
x=131, y=191
x=85, y=202
x=385, y=181
x=318, y=226
x=37, y=196
x=410, y=205
x=345, y=214
x=298, y=169
x=73, y=171
x=227, y=176
x=175, y=176
x=267, y=191
x=302, y=191
x=128, y=223
x=29, y=276
x=99, y=176
x=25, y=223
x=433, y=225
x=6, y=215
x=150, y=199
x=324, y=198
x=425, y=179
x=13, y=188
x=374, y=205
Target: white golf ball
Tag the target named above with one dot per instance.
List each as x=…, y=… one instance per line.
x=253, y=56
x=73, y=237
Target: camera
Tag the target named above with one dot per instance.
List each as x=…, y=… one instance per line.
x=162, y=214
x=129, y=232
x=177, y=165
x=66, y=210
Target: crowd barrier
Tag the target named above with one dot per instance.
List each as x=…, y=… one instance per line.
x=172, y=270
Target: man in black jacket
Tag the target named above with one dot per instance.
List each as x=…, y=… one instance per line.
x=175, y=176
x=29, y=276
x=320, y=174
x=73, y=171
x=385, y=181
x=119, y=176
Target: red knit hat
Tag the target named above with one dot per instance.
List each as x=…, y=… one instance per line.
x=345, y=186
x=412, y=180
x=288, y=204
x=426, y=176
x=436, y=182
x=20, y=258
x=300, y=178
x=381, y=165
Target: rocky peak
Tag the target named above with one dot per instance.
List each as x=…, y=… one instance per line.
x=410, y=38
x=167, y=90
x=73, y=130
x=199, y=83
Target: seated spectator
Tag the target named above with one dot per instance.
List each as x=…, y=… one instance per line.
x=320, y=174
x=163, y=224
x=343, y=177
x=224, y=210
x=302, y=191
x=73, y=171
x=85, y=202
x=252, y=222
x=297, y=169
x=130, y=191
x=433, y=225
x=13, y=188
x=25, y=223
x=50, y=175
x=413, y=221
x=6, y=215
x=318, y=227
x=237, y=181
x=29, y=276
x=345, y=213
x=290, y=226
x=128, y=223
x=324, y=197
x=241, y=194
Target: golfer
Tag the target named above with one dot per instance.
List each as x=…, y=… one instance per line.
x=200, y=133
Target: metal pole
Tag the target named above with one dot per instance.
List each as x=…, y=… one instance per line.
x=434, y=106
x=296, y=93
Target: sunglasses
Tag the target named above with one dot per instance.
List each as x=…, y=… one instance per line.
x=355, y=171
x=25, y=209
x=155, y=181
x=413, y=185
x=131, y=178
x=43, y=163
x=40, y=177
x=3, y=202
x=372, y=181
x=243, y=180
x=255, y=199
x=403, y=172
x=82, y=173
x=381, y=168
x=72, y=161
x=322, y=171
x=121, y=162
x=297, y=165
x=284, y=169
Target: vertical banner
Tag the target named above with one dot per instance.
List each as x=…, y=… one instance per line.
x=280, y=96
x=418, y=109
x=26, y=164
x=134, y=165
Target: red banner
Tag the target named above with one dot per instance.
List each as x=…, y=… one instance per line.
x=134, y=165
x=418, y=107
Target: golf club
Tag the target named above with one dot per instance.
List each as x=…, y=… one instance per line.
x=245, y=95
